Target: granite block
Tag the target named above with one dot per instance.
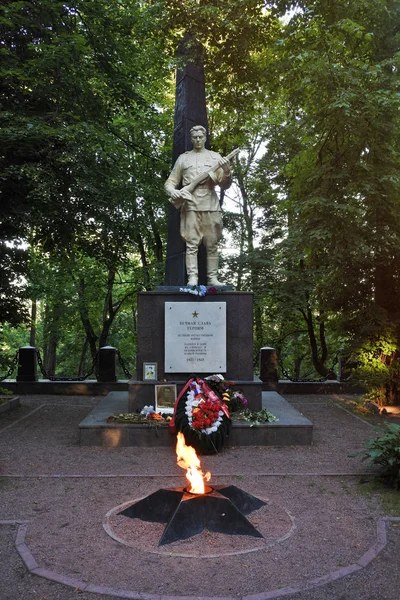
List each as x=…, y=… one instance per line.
x=239, y=325
x=292, y=428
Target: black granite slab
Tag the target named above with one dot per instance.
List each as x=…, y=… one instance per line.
x=292, y=428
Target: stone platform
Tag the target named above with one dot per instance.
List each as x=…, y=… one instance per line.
x=141, y=393
x=292, y=428
x=9, y=403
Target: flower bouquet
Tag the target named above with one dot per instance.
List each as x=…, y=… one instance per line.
x=202, y=416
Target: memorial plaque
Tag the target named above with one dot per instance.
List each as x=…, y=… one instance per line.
x=195, y=337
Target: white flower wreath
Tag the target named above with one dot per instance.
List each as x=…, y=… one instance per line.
x=192, y=403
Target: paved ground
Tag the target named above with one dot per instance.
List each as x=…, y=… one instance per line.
x=326, y=538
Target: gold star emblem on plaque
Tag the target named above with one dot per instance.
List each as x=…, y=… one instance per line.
x=195, y=314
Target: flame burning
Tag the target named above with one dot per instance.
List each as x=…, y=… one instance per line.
x=187, y=458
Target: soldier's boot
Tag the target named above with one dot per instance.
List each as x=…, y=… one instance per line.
x=192, y=269
x=212, y=271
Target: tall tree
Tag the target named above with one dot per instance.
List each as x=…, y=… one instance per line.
x=82, y=84
x=338, y=65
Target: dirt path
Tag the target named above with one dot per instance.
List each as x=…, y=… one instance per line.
x=324, y=538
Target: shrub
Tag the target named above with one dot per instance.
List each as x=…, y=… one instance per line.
x=378, y=370
x=385, y=451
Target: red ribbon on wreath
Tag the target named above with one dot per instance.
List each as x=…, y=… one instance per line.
x=171, y=424
x=208, y=392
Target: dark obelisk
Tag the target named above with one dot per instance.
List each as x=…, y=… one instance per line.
x=190, y=110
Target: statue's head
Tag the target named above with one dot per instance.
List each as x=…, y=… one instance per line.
x=198, y=128
x=198, y=135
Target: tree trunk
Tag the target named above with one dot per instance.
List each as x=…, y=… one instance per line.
x=32, y=335
x=249, y=236
x=110, y=309
x=158, y=245
x=81, y=367
x=317, y=362
x=258, y=327
x=297, y=366
x=143, y=258
x=322, y=340
x=51, y=336
x=84, y=315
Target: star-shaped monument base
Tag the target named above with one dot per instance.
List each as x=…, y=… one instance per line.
x=222, y=510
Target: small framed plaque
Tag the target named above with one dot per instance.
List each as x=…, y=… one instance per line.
x=149, y=371
x=165, y=396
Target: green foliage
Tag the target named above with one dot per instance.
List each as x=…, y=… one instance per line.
x=5, y=392
x=330, y=164
x=139, y=419
x=347, y=164
x=254, y=417
x=81, y=135
x=12, y=292
x=378, y=369
x=389, y=498
x=310, y=96
x=233, y=34
x=83, y=155
x=385, y=452
x=371, y=360
x=11, y=338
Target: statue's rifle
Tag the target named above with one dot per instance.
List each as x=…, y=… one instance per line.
x=202, y=178
x=206, y=174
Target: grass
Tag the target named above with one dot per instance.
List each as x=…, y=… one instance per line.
x=357, y=407
x=7, y=484
x=4, y=400
x=388, y=498
x=5, y=392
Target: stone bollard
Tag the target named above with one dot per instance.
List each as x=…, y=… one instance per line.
x=268, y=364
x=106, y=364
x=340, y=364
x=27, y=364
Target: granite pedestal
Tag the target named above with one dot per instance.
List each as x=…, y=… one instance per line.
x=239, y=344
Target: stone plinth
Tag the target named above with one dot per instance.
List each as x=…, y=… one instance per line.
x=290, y=429
x=7, y=403
x=268, y=365
x=151, y=344
x=142, y=393
x=27, y=364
